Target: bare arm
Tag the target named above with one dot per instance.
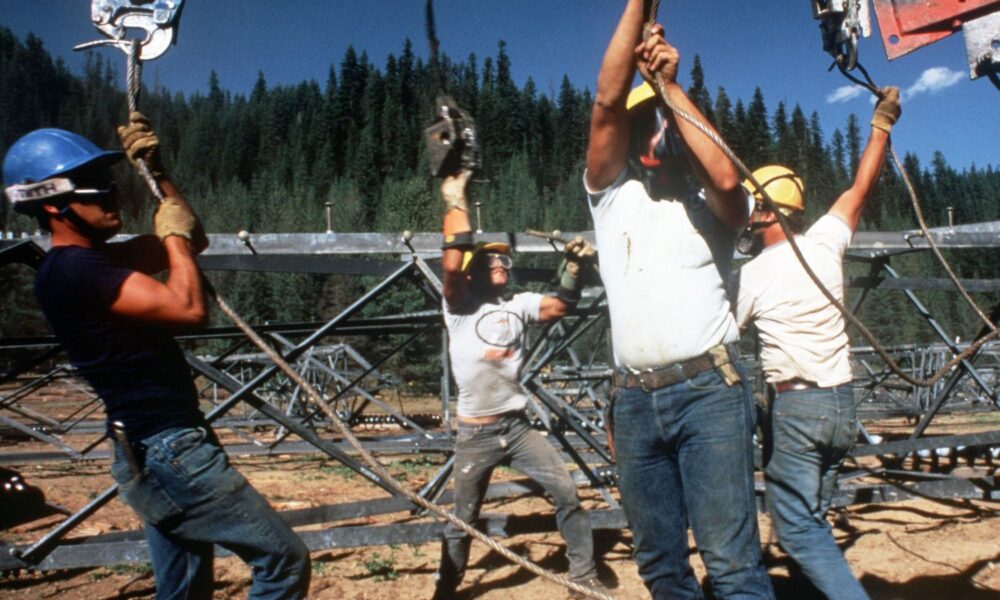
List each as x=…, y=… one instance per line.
x=456, y=220
x=718, y=174
x=145, y=253
x=178, y=301
x=851, y=203
x=553, y=308
x=607, y=152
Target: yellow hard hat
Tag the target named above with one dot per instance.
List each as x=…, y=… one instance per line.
x=639, y=95
x=480, y=248
x=781, y=184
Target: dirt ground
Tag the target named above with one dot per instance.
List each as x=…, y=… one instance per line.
x=919, y=550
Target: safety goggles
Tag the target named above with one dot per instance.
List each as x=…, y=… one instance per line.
x=495, y=260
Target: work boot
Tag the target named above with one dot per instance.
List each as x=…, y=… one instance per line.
x=444, y=594
x=592, y=583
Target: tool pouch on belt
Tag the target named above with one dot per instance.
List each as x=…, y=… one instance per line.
x=724, y=359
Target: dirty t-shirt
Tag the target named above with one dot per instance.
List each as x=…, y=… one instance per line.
x=487, y=348
x=665, y=266
x=802, y=335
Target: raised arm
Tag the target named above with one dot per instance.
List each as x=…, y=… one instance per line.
x=145, y=253
x=850, y=204
x=607, y=152
x=180, y=300
x=718, y=174
x=457, y=237
x=578, y=260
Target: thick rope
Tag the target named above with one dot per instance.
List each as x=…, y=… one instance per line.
x=432, y=41
x=790, y=235
x=380, y=470
x=133, y=77
x=869, y=84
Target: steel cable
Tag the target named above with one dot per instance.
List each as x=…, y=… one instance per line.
x=133, y=77
x=789, y=234
x=869, y=84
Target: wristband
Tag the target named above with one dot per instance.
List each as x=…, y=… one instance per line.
x=458, y=241
x=570, y=284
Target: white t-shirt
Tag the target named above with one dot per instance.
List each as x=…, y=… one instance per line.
x=801, y=334
x=665, y=266
x=487, y=348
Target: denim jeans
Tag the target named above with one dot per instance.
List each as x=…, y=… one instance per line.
x=190, y=497
x=512, y=441
x=685, y=457
x=812, y=431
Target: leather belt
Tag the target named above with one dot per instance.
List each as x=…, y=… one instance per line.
x=794, y=385
x=657, y=377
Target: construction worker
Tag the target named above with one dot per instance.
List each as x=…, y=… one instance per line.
x=116, y=324
x=805, y=355
x=486, y=347
x=682, y=415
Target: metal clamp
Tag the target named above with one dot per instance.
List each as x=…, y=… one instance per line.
x=843, y=23
x=451, y=140
x=158, y=18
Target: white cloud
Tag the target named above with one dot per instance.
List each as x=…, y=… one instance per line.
x=844, y=93
x=934, y=80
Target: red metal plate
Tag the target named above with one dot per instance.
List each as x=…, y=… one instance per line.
x=910, y=24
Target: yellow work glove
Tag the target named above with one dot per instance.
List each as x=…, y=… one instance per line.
x=887, y=110
x=453, y=191
x=140, y=142
x=174, y=217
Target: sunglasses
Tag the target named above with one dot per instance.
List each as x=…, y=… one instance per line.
x=106, y=197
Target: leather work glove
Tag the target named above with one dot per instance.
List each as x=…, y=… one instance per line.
x=887, y=110
x=140, y=142
x=453, y=190
x=174, y=217
x=579, y=253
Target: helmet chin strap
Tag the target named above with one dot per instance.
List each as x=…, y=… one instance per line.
x=81, y=225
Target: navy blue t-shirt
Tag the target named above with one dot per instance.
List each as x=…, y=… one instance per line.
x=136, y=368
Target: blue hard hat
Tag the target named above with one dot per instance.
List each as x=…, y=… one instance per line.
x=47, y=153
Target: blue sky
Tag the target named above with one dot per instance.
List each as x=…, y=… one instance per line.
x=775, y=45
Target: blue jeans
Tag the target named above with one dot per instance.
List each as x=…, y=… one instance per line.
x=811, y=431
x=512, y=441
x=685, y=456
x=190, y=498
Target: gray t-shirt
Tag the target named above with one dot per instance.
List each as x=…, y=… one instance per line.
x=487, y=348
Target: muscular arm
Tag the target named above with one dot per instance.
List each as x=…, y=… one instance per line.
x=178, y=301
x=145, y=253
x=607, y=152
x=718, y=175
x=456, y=220
x=851, y=203
x=658, y=60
